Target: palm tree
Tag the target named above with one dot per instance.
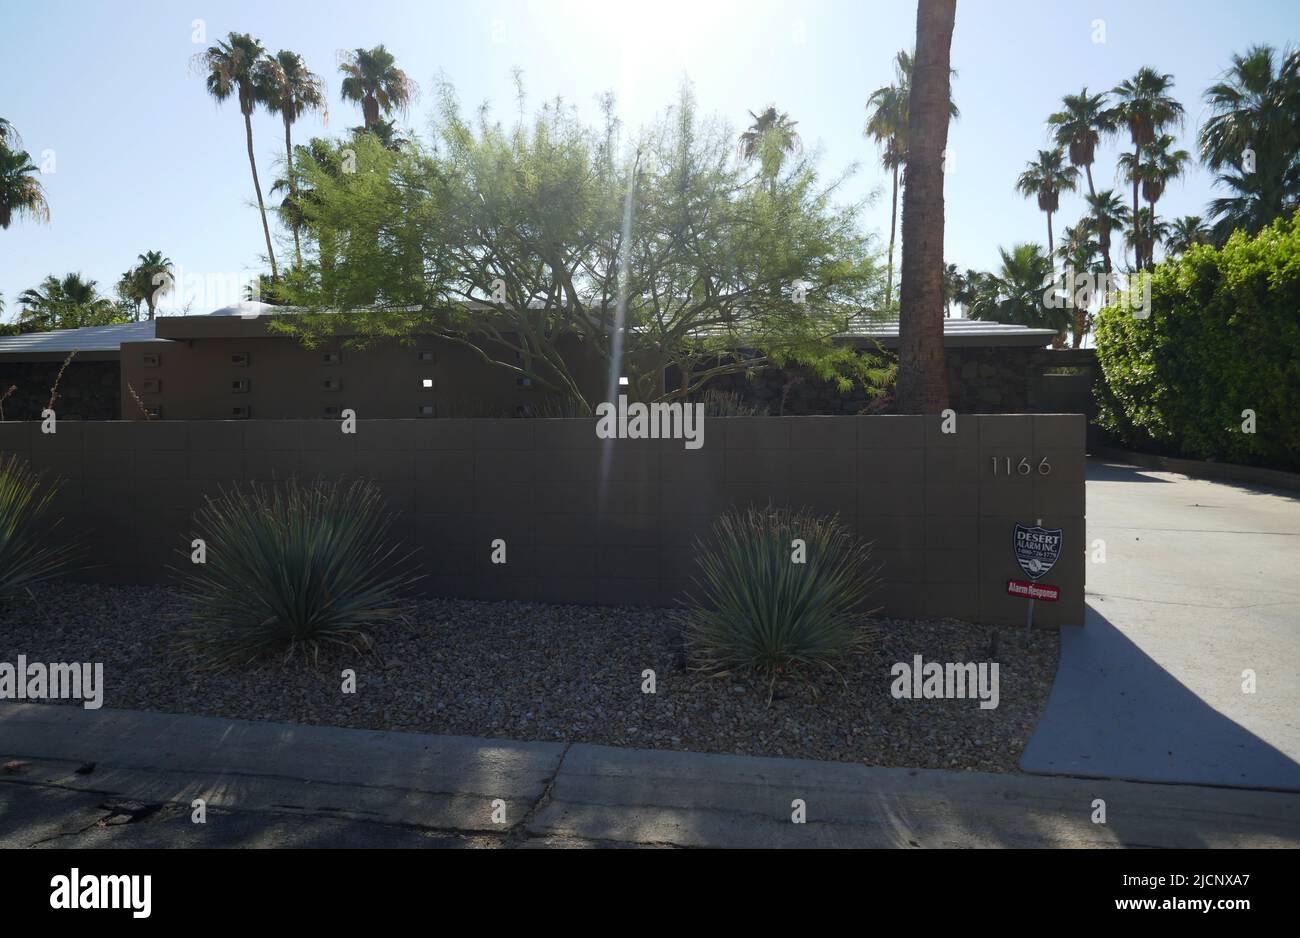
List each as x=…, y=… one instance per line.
x=1255, y=106
x=967, y=288
x=291, y=91
x=1185, y=233
x=9, y=135
x=1078, y=254
x=1145, y=235
x=1015, y=293
x=1078, y=129
x=1164, y=166
x=67, y=303
x=887, y=126
x=386, y=132
x=233, y=69
x=769, y=139
x=1146, y=108
x=21, y=192
x=152, y=277
x=954, y=281
x=1077, y=248
x=132, y=292
x=372, y=78
x=1252, y=207
x=1107, y=214
x=1047, y=177
x=922, y=371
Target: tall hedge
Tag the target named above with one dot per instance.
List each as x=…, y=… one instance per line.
x=1223, y=337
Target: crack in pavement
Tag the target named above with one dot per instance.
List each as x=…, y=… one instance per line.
x=519, y=831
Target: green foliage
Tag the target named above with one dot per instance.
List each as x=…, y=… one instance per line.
x=290, y=567
x=666, y=253
x=1015, y=293
x=71, y=302
x=1255, y=108
x=21, y=192
x=29, y=547
x=760, y=610
x=1223, y=337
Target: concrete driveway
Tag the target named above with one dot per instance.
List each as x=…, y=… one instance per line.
x=1201, y=582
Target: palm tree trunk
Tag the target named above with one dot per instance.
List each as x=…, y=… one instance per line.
x=293, y=187
x=1050, y=250
x=1137, y=241
x=1087, y=168
x=922, y=371
x=893, y=225
x=1151, y=238
x=266, y=229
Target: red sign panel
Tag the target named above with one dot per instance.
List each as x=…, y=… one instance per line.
x=1040, y=591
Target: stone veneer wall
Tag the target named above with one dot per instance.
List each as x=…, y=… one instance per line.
x=610, y=522
x=980, y=381
x=87, y=391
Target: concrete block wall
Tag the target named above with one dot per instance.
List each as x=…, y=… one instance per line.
x=607, y=522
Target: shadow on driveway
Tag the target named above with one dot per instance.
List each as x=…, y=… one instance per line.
x=1116, y=713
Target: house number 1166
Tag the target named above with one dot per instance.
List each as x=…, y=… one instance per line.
x=1002, y=466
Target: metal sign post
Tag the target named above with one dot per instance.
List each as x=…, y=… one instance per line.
x=1029, y=616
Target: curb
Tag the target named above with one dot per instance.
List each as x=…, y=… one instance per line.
x=1198, y=469
x=607, y=794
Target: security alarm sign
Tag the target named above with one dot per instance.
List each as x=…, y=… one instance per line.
x=1037, y=549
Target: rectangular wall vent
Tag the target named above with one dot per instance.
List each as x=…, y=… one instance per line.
x=330, y=358
x=239, y=359
x=239, y=413
x=151, y=386
x=426, y=410
x=151, y=359
x=333, y=384
x=239, y=386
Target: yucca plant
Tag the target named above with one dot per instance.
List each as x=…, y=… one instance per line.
x=30, y=550
x=292, y=568
x=760, y=610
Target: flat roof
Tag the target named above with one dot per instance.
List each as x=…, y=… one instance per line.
x=96, y=341
x=250, y=320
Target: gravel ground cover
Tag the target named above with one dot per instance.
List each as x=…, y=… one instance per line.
x=542, y=672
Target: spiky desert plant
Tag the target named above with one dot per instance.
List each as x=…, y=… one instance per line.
x=30, y=548
x=290, y=567
x=760, y=609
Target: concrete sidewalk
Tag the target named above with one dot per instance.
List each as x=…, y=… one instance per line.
x=1199, y=585
x=273, y=784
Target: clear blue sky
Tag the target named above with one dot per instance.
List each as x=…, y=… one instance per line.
x=144, y=159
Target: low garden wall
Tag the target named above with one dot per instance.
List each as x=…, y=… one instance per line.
x=610, y=522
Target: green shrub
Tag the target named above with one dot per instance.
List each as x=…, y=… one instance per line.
x=290, y=567
x=759, y=609
x=29, y=549
x=1223, y=337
